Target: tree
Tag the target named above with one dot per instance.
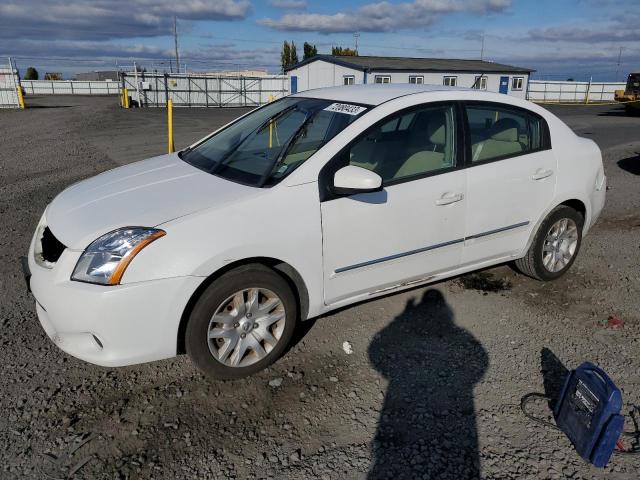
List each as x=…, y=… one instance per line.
x=288, y=55
x=32, y=74
x=309, y=51
x=344, y=51
x=285, y=55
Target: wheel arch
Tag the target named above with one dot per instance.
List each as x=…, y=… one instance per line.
x=574, y=202
x=290, y=274
x=578, y=205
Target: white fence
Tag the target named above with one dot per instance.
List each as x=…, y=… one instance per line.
x=153, y=90
x=70, y=87
x=556, y=91
x=9, y=88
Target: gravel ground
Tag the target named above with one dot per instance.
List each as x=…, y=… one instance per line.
x=432, y=386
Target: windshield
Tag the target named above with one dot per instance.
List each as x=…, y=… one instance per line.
x=267, y=145
x=633, y=83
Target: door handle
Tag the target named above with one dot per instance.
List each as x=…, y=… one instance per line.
x=447, y=199
x=541, y=173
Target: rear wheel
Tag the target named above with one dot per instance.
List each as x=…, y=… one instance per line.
x=555, y=246
x=242, y=323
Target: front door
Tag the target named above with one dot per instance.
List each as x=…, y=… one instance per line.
x=510, y=182
x=412, y=229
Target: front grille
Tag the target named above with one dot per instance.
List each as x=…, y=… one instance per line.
x=52, y=248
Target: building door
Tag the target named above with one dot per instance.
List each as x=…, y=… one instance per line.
x=504, y=85
x=294, y=84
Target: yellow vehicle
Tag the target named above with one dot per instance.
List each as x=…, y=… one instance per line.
x=631, y=93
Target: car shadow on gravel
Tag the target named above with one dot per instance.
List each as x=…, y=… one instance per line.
x=631, y=164
x=427, y=426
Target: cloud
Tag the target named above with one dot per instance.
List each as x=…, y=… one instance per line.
x=74, y=56
x=108, y=19
x=107, y=52
x=383, y=16
x=622, y=28
x=288, y=4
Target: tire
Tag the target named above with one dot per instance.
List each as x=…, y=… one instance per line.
x=215, y=346
x=536, y=263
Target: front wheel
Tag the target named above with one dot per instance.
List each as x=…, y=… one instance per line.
x=555, y=246
x=242, y=323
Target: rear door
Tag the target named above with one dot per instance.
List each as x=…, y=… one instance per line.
x=412, y=229
x=510, y=180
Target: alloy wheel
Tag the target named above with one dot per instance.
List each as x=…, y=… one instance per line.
x=246, y=327
x=560, y=245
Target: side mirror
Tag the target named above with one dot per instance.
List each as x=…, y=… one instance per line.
x=350, y=180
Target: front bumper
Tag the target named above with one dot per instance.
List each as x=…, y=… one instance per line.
x=110, y=326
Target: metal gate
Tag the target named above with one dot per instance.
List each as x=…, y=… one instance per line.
x=153, y=90
x=9, y=83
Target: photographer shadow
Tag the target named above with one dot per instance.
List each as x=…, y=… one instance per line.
x=427, y=426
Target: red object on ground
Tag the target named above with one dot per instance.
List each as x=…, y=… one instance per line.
x=614, y=322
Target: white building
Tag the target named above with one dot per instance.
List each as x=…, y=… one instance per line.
x=328, y=70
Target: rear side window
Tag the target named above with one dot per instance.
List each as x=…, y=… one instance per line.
x=499, y=132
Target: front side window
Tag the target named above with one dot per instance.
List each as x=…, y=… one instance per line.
x=265, y=146
x=516, y=83
x=409, y=144
x=417, y=79
x=349, y=79
x=450, y=81
x=382, y=79
x=500, y=132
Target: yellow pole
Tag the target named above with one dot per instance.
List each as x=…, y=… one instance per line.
x=20, y=97
x=126, y=98
x=170, y=125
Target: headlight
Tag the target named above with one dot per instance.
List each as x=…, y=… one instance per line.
x=106, y=259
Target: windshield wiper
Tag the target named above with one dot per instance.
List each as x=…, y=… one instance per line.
x=275, y=117
x=285, y=150
x=262, y=126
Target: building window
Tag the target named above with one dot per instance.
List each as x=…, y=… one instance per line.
x=516, y=83
x=480, y=83
x=450, y=81
x=348, y=80
x=417, y=79
x=382, y=79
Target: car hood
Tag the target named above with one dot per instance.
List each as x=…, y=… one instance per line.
x=145, y=193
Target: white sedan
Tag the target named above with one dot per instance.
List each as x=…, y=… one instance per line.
x=307, y=204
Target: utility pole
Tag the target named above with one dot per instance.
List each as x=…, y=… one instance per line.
x=356, y=35
x=619, y=58
x=175, y=41
x=482, y=48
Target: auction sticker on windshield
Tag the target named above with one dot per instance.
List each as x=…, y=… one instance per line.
x=345, y=108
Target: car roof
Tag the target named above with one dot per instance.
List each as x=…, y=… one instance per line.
x=373, y=94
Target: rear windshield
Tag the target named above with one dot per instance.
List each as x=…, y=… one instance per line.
x=265, y=146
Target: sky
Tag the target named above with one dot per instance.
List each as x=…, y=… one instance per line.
x=560, y=39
